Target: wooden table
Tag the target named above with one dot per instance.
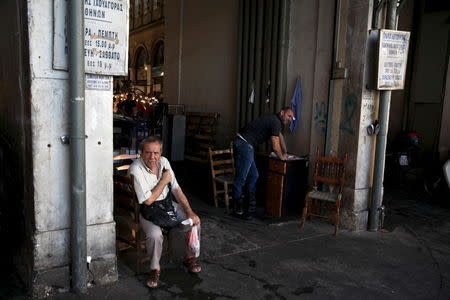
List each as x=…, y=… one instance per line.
x=125, y=156
x=123, y=167
x=285, y=185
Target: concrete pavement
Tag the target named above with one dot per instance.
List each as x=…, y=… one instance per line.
x=263, y=259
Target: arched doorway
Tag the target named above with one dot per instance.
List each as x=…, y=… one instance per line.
x=158, y=69
x=142, y=69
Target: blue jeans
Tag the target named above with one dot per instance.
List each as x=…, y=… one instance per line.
x=246, y=172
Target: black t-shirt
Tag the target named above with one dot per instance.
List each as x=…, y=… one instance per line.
x=261, y=129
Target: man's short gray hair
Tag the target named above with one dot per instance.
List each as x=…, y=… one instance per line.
x=150, y=139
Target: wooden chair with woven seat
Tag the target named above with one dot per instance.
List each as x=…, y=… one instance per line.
x=328, y=185
x=126, y=216
x=222, y=172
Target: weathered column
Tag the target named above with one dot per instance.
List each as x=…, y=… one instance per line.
x=354, y=111
x=50, y=120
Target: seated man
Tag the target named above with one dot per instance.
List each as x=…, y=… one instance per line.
x=153, y=180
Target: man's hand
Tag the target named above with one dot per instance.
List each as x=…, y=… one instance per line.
x=183, y=201
x=194, y=217
x=166, y=177
x=284, y=157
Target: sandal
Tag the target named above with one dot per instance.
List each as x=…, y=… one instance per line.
x=152, y=282
x=192, y=265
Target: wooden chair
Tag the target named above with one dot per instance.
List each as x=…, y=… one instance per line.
x=328, y=184
x=222, y=172
x=126, y=216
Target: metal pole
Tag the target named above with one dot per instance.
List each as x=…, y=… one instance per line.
x=77, y=146
x=283, y=44
x=180, y=50
x=239, y=66
x=380, y=151
x=377, y=15
x=249, y=108
x=335, y=94
x=260, y=85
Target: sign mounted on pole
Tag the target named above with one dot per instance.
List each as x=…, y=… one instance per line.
x=105, y=36
x=392, y=58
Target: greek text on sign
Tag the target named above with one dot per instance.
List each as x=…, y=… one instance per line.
x=392, y=59
x=105, y=36
x=98, y=82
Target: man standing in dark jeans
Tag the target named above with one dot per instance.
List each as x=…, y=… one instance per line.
x=251, y=135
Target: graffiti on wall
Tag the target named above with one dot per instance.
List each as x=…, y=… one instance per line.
x=320, y=116
x=349, y=113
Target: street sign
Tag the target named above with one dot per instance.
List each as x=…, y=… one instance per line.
x=392, y=59
x=105, y=36
x=98, y=82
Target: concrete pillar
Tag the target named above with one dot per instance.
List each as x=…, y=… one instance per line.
x=444, y=137
x=353, y=111
x=50, y=167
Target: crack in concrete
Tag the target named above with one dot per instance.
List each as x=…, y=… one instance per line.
x=266, y=285
x=274, y=245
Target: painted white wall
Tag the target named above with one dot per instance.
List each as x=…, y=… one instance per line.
x=50, y=120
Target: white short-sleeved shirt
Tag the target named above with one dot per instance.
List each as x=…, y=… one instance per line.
x=145, y=180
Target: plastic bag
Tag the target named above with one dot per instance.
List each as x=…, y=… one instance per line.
x=193, y=241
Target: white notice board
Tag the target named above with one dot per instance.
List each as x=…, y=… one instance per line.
x=98, y=82
x=105, y=36
x=392, y=59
